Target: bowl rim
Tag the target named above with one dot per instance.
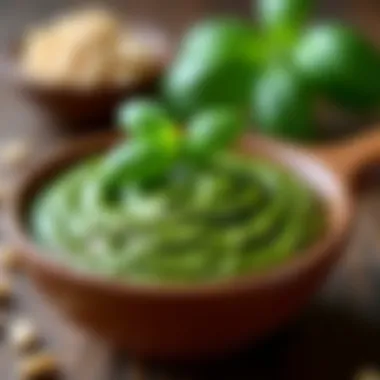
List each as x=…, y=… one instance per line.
x=339, y=217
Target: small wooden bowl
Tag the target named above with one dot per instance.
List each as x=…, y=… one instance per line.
x=191, y=321
x=76, y=108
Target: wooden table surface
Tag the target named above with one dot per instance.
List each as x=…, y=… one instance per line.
x=336, y=335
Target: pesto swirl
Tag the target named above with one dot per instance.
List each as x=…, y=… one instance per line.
x=232, y=216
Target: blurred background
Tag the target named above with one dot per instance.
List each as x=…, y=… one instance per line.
x=175, y=15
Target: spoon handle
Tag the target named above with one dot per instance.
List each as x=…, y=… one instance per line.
x=348, y=158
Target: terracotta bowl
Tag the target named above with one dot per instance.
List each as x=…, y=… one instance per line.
x=74, y=108
x=200, y=320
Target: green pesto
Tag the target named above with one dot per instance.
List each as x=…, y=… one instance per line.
x=233, y=216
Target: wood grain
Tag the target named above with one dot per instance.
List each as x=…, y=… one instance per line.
x=336, y=335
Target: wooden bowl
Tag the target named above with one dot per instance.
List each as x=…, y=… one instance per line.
x=76, y=108
x=192, y=321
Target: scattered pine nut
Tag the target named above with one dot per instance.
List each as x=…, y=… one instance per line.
x=3, y=323
x=8, y=258
x=39, y=366
x=4, y=193
x=368, y=374
x=5, y=289
x=137, y=371
x=23, y=335
x=14, y=153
